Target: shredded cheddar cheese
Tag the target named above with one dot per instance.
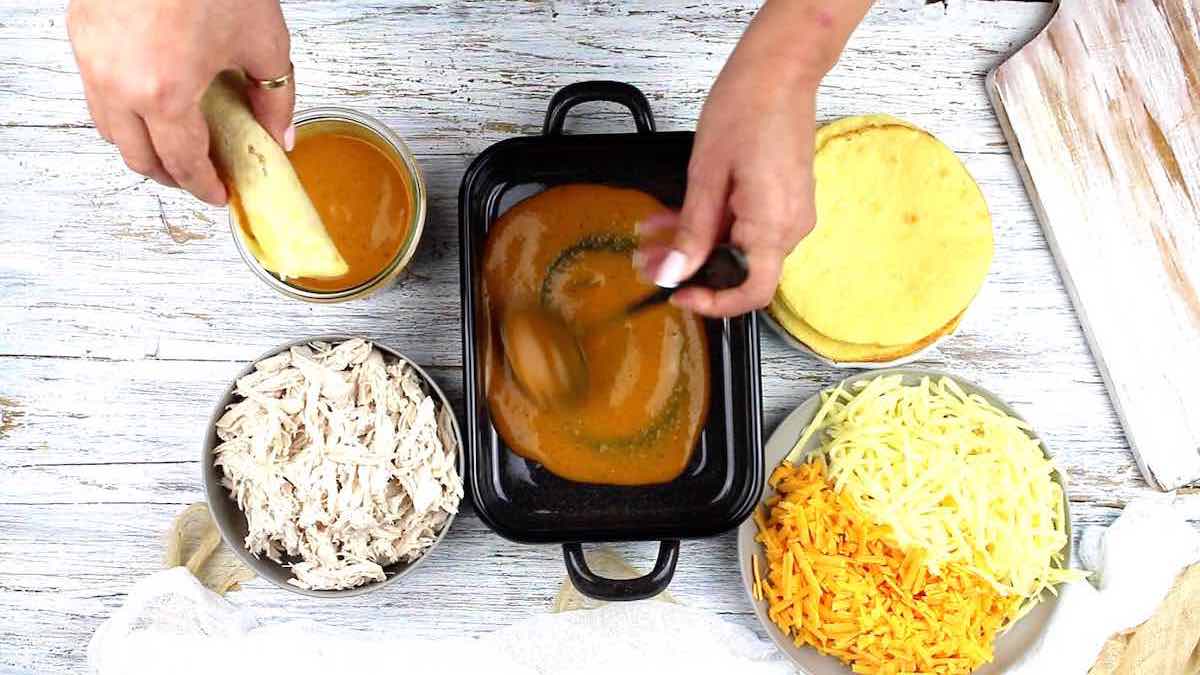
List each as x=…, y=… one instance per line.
x=951, y=475
x=836, y=580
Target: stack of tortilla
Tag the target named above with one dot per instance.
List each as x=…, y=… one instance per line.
x=902, y=244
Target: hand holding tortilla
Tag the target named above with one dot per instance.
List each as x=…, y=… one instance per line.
x=146, y=63
x=286, y=233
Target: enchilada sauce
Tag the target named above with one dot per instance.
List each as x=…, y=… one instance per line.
x=362, y=195
x=570, y=249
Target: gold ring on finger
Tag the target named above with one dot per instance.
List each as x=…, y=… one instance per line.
x=275, y=82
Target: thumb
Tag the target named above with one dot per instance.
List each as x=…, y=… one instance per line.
x=267, y=57
x=701, y=222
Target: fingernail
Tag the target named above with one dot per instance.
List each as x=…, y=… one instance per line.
x=289, y=138
x=670, y=272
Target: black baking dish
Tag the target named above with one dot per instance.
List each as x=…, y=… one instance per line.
x=519, y=499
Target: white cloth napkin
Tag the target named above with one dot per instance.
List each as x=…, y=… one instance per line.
x=1134, y=563
x=172, y=624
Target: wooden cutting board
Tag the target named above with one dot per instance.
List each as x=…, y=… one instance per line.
x=1102, y=112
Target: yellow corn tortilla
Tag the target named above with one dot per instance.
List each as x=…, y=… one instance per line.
x=280, y=225
x=903, y=238
x=846, y=352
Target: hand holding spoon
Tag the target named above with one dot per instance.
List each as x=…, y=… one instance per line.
x=545, y=355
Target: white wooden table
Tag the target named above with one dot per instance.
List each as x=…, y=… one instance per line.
x=124, y=308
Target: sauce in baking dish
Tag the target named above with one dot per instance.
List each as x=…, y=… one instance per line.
x=570, y=249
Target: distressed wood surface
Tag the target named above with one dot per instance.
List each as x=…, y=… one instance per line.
x=1103, y=109
x=124, y=308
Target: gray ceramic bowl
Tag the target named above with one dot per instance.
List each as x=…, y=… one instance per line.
x=232, y=522
x=1009, y=647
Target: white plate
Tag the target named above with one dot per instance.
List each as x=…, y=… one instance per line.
x=1009, y=647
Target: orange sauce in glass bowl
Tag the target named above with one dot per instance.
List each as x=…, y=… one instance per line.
x=361, y=191
x=570, y=249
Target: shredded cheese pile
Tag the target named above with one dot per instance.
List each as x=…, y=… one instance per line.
x=926, y=521
x=951, y=475
x=837, y=582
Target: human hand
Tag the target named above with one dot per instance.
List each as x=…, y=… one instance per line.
x=750, y=182
x=750, y=176
x=146, y=63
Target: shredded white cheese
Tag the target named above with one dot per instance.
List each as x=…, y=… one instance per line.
x=950, y=474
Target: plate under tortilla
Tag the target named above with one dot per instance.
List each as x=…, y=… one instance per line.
x=800, y=346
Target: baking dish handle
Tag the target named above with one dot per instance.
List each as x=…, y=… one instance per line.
x=618, y=590
x=598, y=90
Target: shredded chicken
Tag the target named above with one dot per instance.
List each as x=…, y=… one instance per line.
x=341, y=461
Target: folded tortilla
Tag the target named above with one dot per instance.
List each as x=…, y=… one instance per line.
x=279, y=223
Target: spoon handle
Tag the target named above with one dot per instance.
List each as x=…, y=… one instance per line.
x=658, y=297
x=725, y=268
